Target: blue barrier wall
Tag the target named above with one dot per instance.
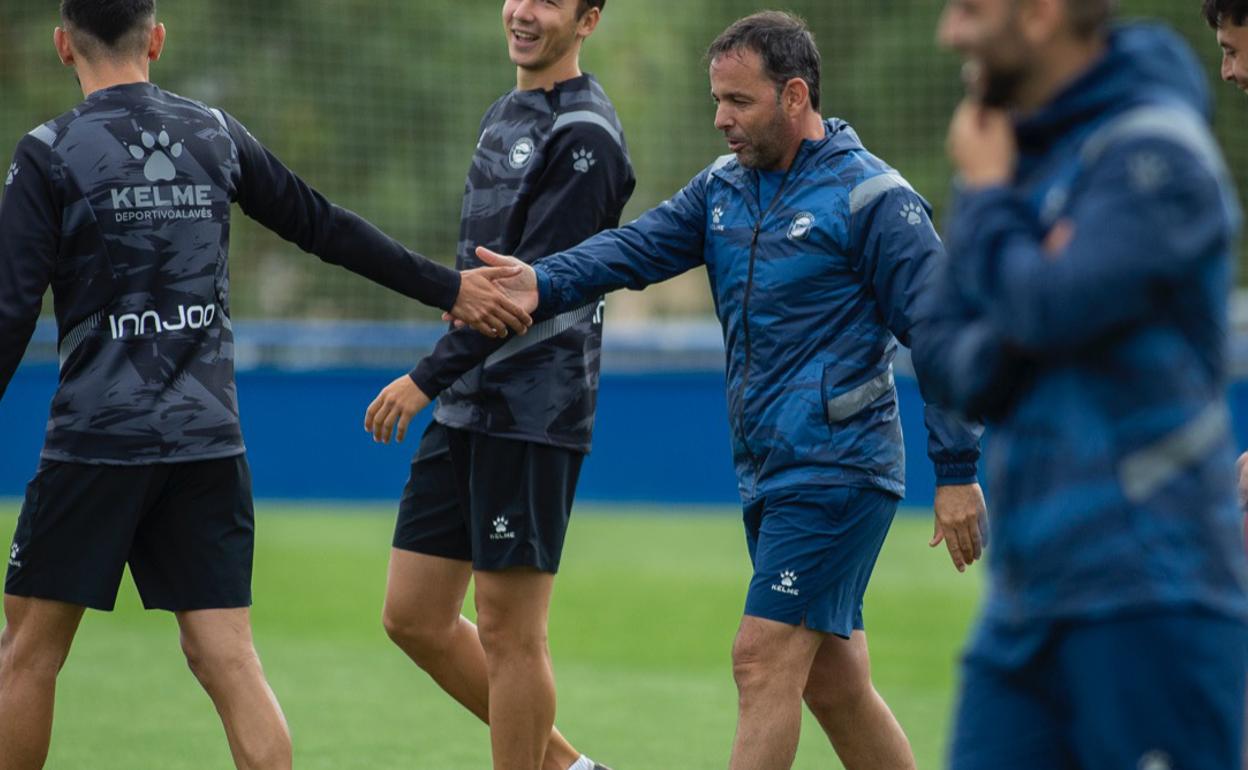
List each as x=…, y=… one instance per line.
x=660, y=437
x=661, y=433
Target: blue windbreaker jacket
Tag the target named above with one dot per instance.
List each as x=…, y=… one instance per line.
x=1084, y=313
x=812, y=291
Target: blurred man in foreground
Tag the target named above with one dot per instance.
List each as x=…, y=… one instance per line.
x=1083, y=314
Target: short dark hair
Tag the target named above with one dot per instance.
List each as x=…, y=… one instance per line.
x=1219, y=12
x=110, y=23
x=1089, y=18
x=783, y=41
x=585, y=5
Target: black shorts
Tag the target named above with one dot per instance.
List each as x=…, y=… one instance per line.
x=186, y=529
x=496, y=502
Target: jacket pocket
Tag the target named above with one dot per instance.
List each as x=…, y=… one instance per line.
x=844, y=405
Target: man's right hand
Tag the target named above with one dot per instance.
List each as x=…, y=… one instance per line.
x=520, y=285
x=513, y=280
x=485, y=304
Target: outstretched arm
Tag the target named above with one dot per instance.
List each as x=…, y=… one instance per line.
x=277, y=198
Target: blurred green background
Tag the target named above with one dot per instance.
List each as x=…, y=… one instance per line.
x=641, y=626
x=377, y=102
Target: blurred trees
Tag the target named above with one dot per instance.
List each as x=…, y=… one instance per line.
x=378, y=103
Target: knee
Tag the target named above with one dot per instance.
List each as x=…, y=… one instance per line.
x=21, y=655
x=838, y=690
x=752, y=667
x=416, y=635
x=212, y=664
x=505, y=637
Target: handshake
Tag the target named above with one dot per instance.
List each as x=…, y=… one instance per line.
x=493, y=299
x=496, y=298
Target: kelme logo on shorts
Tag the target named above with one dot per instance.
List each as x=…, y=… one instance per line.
x=803, y=223
x=501, y=531
x=521, y=153
x=13, y=562
x=785, y=586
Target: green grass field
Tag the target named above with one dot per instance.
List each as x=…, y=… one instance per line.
x=644, y=614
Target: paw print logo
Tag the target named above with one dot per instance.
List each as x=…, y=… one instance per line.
x=500, y=525
x=912, y=213
x=13, y=171
x=159, y=168
x=788, y=578
x=717, y=214
x=13, y=551
x=583, y=160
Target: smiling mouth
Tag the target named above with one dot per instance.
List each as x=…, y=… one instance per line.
x=523, y=37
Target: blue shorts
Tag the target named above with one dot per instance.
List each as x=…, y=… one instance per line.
x=1156, y=691
x=813, y=549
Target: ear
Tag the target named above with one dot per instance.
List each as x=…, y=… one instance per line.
x=588, y=23
x=60, y=39
x=156, y=44
x=795, y=97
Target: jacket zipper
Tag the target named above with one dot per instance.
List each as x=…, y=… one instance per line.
x=745, y=313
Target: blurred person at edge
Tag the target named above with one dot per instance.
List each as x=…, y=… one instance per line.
x=1083, y=314
x=1229, y=19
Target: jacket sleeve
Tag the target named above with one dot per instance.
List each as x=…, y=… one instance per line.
x=30, y=228
x=1151, y=210
x=663, y=243
x=897, y=252
x=274, y=196
x=581, y=191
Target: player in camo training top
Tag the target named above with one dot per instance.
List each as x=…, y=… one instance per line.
x=122, y=206
x=492, y=484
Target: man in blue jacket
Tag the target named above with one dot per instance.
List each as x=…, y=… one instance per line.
x=1084, y=314
x=816, y=251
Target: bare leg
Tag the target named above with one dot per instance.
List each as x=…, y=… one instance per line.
x=512, y=608
x=771, y=662
x=220, y=652
x=858, y=722
x=33, y=648
x=424, y=595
